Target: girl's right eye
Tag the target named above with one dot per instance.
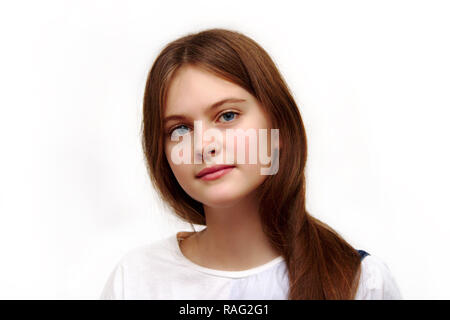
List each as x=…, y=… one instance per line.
x=179, y=131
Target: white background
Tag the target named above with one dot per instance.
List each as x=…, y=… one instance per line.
x=371, y=79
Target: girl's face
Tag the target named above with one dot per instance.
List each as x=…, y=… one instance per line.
x=191, y=94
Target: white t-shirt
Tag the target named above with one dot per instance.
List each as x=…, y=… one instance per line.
x=160, y=271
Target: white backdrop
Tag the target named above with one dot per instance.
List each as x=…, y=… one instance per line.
x=371, y=79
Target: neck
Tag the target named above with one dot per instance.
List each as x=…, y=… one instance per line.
x=233, y=238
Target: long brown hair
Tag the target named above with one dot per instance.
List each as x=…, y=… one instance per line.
x=320, y=263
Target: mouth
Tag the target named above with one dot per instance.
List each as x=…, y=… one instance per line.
x=214, y=172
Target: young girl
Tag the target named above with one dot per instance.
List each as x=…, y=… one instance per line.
x=259, y=241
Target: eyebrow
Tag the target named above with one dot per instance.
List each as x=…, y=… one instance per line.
x=211, y=107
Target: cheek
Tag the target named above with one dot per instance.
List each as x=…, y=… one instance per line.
x=178, y=170
x=183, y=174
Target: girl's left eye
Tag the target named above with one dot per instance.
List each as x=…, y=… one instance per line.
x=229, y=116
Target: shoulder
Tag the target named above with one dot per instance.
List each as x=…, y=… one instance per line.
x=376, y=281
x=137, y=265
x=148, y=254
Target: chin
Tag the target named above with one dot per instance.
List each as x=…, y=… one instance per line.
x=220, y=198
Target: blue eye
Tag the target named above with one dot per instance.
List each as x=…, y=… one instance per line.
x=180, y=130
x=227, y=116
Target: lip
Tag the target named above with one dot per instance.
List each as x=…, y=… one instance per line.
x=214, y=172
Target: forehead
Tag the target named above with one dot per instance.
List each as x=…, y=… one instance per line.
x=192, y=89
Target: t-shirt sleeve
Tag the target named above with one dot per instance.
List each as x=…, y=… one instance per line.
x=114, y=287
x=376, y=281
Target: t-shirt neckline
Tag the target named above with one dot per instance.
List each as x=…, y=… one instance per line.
x=220, y=273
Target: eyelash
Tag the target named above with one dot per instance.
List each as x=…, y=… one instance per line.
x=226, y=112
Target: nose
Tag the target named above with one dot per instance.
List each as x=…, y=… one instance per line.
x=207, y=143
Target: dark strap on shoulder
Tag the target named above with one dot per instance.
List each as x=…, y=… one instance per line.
x=363, y=254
